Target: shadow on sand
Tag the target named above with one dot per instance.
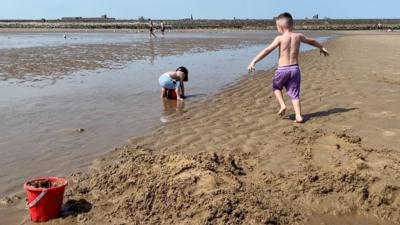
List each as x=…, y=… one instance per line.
x=329, y=112
x=75, y=207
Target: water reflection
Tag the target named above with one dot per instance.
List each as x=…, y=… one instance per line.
x=152, y=51
x=173, y=105
x=170, y=107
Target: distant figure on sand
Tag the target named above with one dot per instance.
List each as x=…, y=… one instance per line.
x=171, y=83
x=380, y=27
x=151, y=29
x=288, y=73
x=162, y=28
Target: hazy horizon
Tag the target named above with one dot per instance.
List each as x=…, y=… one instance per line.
x=206, y=9
x=167, y=19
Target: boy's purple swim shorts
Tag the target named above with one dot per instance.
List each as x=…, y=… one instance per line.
x=288, y=77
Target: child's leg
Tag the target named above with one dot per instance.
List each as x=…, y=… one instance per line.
x=163, y=92
x=293, y=90
x=279, y=97
x=297, y=110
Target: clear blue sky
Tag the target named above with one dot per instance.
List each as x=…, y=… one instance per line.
x=217, y=9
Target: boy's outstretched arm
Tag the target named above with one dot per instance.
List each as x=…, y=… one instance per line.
x=315, y=43
x=264, y=53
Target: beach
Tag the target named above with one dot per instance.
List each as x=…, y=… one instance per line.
x=234, y=161
x=58, y=114
x=231, y=160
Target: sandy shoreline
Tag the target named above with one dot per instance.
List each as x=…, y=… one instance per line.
x=233, y=161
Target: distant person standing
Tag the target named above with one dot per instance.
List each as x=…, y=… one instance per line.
x=151, y=29
x=162, y=28
x=380, y=27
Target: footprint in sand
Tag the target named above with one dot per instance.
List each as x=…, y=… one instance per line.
x=387, y=133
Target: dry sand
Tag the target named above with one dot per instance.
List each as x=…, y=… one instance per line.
x=231, y=160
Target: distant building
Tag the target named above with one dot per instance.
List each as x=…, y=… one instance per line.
x=71, y=18
x=93, y=19
x=315, y=17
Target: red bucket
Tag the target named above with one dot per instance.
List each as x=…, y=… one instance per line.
x=45, y=203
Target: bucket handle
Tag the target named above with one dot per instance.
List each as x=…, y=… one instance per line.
x=36, y=200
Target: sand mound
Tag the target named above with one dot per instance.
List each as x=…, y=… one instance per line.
x=143, y=187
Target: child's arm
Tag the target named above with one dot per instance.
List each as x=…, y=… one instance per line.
x=314, y=43
x=182, y=90
x=264, y=53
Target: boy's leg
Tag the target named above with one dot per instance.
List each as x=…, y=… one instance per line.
x=297, y=110
x=279, y=97
x=278, y=82
x=293, y=90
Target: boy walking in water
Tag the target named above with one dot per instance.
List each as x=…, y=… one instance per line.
x=288, y=73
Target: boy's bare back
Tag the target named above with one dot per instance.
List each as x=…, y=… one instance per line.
x=289, y=48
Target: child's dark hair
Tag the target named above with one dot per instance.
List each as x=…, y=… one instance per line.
x=185, y=71
x=286, y=16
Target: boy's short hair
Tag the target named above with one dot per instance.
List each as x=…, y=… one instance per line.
x=287, y=17
x=185, y=71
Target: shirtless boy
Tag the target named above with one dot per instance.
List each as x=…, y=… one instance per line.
x=288, y=73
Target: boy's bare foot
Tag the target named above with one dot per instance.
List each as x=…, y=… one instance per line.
x=299, y=119
x=282, y=111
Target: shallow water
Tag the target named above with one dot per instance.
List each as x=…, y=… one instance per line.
x=40, y=118
x=10, y=40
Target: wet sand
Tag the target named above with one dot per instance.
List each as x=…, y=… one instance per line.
x=231, y=160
